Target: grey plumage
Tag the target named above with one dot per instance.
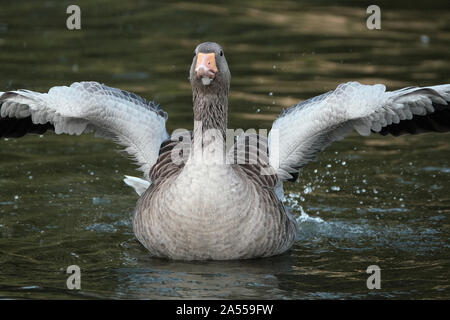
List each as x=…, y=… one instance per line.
x=178, y=217
x=195, y=204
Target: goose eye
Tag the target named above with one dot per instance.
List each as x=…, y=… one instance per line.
x=221, y=53
x=195, y=53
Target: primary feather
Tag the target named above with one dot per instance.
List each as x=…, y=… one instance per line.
x=300, y=132
x=128, y=119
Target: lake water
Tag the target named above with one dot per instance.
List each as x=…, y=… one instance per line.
x=367, y=201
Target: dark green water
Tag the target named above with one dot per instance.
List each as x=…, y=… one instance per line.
x=376, y=200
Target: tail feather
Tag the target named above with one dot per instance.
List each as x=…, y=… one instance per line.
x=139, y=185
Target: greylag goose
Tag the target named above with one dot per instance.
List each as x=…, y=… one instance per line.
x=193, y=205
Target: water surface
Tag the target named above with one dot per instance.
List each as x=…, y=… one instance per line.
x=376, y=200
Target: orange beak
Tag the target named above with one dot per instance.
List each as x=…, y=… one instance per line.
x=206, y=65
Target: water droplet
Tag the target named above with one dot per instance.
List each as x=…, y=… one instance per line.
x=307, y=190
x=424, y=39
x=99, y=201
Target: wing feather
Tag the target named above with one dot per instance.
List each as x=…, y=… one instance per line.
x=307, y=128
x=85, y=107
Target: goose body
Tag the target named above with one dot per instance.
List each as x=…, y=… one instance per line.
x=226, y=216
x=198, y=199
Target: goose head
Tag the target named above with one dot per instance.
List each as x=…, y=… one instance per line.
x=209, y=70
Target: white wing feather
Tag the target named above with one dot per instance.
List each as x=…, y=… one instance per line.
x=307, y=128
x=130, y=120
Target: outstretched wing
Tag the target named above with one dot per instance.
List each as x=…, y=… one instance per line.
x=84, y=107
x=301, y=131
